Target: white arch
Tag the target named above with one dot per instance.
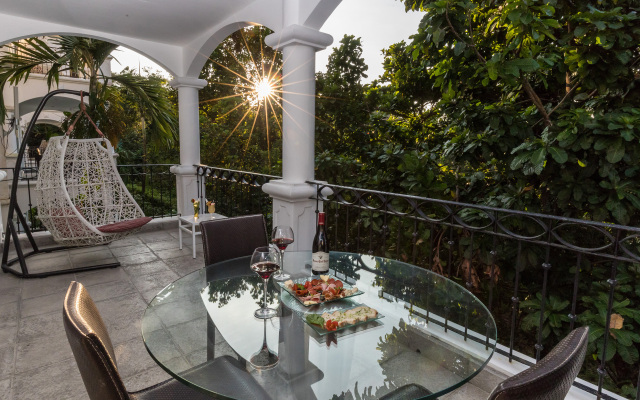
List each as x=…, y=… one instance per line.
x=184, y=59
x=266, y=13
x=199, y=58
x=270, y=13
x=14, y=28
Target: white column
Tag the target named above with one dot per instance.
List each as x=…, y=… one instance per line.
x=11, y=142
x=291, y=203
x=188, y=114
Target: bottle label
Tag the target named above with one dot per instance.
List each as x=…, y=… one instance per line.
x=320, y=261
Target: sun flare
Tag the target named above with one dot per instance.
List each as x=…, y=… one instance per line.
x=251, y=85
x=264, y=88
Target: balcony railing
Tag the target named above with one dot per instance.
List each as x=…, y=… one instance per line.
x=153, y=187
x=46, y=67
x=235, y=192
x=539, y=275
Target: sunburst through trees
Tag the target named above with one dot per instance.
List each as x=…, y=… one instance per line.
x=243, y=102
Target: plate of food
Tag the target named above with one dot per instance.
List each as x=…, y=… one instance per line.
x=313, y=291
x=335, y=321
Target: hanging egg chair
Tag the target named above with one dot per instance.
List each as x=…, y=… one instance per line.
x=80, y=196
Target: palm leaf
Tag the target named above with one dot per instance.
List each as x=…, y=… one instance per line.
x=15, y=67
x=153, y=103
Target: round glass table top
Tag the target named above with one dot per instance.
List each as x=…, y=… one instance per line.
x=432, y=334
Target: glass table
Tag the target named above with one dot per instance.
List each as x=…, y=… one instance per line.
x=434, y=332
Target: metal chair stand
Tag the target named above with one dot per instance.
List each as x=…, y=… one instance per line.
x=11, y=229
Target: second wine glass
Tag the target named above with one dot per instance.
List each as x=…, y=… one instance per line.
x=264, y=262
x=282, y=236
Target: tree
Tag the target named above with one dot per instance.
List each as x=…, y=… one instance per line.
x=537, y=104
x=341, y=109
x=533, y=105
x=239, y=130
x=84, y=57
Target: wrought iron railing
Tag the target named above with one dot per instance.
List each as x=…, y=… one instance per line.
x=46, y=67
x=235, y=192
x=153, y=186
x=541, y=269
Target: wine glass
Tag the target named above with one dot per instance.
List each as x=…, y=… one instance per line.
x=264, y=358
x=264, y=262
x=282, y=236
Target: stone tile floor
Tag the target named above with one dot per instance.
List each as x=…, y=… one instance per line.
x=36, y=361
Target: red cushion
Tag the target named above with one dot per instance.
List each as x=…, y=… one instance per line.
x=124, y=226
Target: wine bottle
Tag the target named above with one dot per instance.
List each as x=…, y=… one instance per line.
x=320, y=255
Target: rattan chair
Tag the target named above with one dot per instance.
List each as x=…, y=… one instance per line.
x=225, y=239
x=550, y=379
x=94, y=355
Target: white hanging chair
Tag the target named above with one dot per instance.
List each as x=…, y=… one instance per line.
x=80, y=196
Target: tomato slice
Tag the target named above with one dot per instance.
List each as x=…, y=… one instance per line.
x=315, y=282
x=339, y=283
x=331, y=280
x=328, y=325
x=307, y=284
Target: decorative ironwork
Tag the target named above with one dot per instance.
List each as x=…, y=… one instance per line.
x=457, y=239
x=235, y=192
x=153, y=186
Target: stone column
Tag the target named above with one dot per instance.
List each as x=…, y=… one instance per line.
x=291, y=195
x=188, y=114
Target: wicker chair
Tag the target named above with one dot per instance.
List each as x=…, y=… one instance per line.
x=550, y=379
x=225, y=239
x=94, y=355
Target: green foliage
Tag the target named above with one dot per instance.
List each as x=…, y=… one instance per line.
x=341, y=107
x=540, y=94
x=107, y=94
x=235, y=131
x=523, y=104
x=622, y=339
x=554, y=318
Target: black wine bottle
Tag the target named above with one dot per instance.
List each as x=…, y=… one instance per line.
x=320, y=255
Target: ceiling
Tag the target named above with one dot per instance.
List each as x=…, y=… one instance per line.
x=168, y=21
x=177, y=34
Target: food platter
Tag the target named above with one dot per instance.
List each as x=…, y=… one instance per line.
x=324, y=330
x=311, y=291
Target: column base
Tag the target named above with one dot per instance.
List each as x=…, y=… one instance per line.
x=186, y=187
x=293, y=206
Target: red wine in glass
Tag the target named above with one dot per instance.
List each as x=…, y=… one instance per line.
x=282, y=243
x=282, y=236
x=264, y=262
x=265, y=269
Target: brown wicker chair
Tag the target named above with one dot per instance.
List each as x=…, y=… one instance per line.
x=94, y=355
x=550, y=379
x=225, y=239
